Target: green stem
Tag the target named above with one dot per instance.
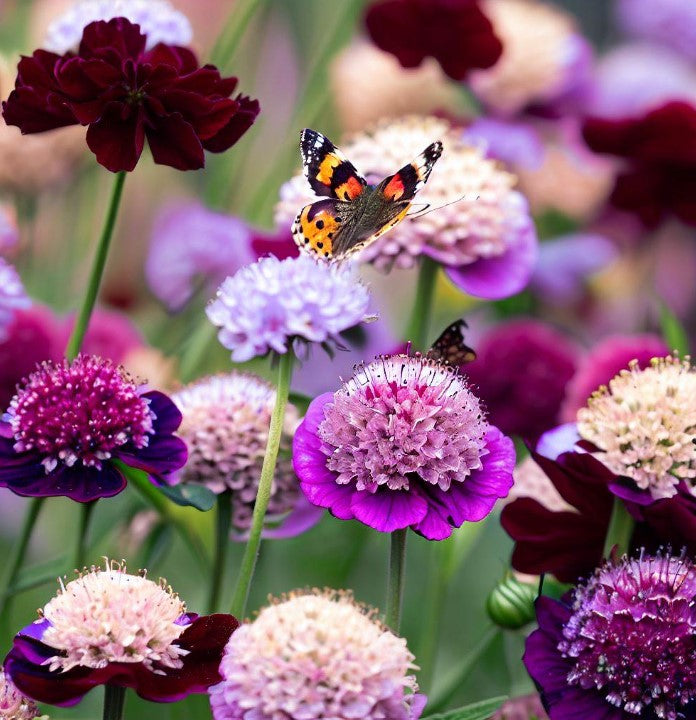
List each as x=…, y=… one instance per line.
x=620, y=529
x=419, y=324
x=114, y=700
x=82, y=321
x=395, y=579
x=234, y=30
x=263, y=494
x=222, y=544
x=86, y=510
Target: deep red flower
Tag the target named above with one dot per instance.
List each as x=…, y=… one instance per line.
x=455, y=32
x=125, y=95
x=660, y=151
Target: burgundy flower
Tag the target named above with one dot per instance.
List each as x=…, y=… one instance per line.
x=455, y=32
x=660, y=151
x=126, y=94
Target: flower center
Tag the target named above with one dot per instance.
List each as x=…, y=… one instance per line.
x=79, y=411
x=109, y=616
x=400, y=417
x=633, y=635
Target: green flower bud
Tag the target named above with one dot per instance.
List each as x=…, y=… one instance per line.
x=510, y=604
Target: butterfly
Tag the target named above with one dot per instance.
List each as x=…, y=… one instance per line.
x=450, y=348
x=354, y=214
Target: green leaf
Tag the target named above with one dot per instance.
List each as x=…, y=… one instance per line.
x=477, y=711
x=197, y=496
x=673, y=332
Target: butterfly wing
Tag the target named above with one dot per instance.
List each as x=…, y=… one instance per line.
x=327, y=170
x=450, y=348
x=403, y=185
x=319, y=226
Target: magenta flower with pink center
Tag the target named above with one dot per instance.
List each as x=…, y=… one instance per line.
x=69, y=422
x=404, y=443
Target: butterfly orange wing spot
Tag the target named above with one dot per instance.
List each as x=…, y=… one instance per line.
x=394, y=189
x=350, y=189
x=327, y=167
x=315, y=228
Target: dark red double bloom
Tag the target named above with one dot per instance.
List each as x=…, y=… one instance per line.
x=455, y=32
x=125, y=95
x=660, y=149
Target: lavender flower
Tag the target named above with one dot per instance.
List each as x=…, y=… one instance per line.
x=404, y=443
x=268, y=305
x=12, y=296
x=161, y=22
x=624, y=646
x=314, y=656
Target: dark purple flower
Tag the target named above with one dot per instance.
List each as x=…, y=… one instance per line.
x=622, y=646
x=659, y=149
x=69, y=422
x=455, y=32
x=520, y=373
x=137, y=635
x=404, y=443
x=127, y=94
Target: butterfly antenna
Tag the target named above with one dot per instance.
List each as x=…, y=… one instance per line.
x=428, y=209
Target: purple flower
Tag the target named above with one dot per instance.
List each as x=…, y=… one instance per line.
x=622, y=646
x=9, y=230
x=517, y=144
x=12, y=296
x=521, y=373
x=270, y=304
x=404, y=443
x=69, y=422
x=190, y=245
x=110, y=335
x=136, y=634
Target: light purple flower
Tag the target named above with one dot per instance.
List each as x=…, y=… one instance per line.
x=266, y=306
x=13, y=297
x=190, y=245
x=517, y=144
x=404, y=443
x=9, y=232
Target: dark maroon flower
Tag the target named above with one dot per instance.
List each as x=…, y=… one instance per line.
x=64, y=655
x=569, y=543
x=521, y=374
x=659, y=147
x=622, y=646
x=126, y=94
x=69, y=422
x=455, y=32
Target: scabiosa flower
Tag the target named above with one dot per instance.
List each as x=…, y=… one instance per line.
x=127, y=94
x=13, y=297
x=225, y=425
x=158, y=20
x=456, y=33
x=13, y=705
x=313, y=656
x=520, y=373
x=270, y=304
x=404, y=443
x=485, y=237
x=68, y=422
x=545, y=59
x=623, y=646
x=137, y=634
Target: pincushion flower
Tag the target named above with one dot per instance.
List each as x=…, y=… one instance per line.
x=69, y=423
x=225, y=426
x=127, y=94
x=136, y=634
x=457, y=33
x=273, y=303
x=659, y=152
x=314, y=656
x=485, y=237
x=13, y=297
x=158, y=20
x=13, y=705
x=623, y=645
x=404, y=443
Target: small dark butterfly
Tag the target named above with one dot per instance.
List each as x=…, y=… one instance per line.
x=354, y=213
x=450, y=348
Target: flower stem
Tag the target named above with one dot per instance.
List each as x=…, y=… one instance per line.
x=82, y=321
x=86, y=510
x=114, y=700
x=222, y=544
x=620, y=529
x=263, y=494
x=419, y=324
x=395, y=579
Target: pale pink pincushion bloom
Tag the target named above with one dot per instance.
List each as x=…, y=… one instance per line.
x=13, y=705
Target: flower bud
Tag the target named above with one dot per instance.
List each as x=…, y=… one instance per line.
x=510, y=604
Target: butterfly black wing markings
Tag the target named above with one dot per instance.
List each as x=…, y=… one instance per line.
x=450, y=348
x=319, y=226
x=328, y=171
